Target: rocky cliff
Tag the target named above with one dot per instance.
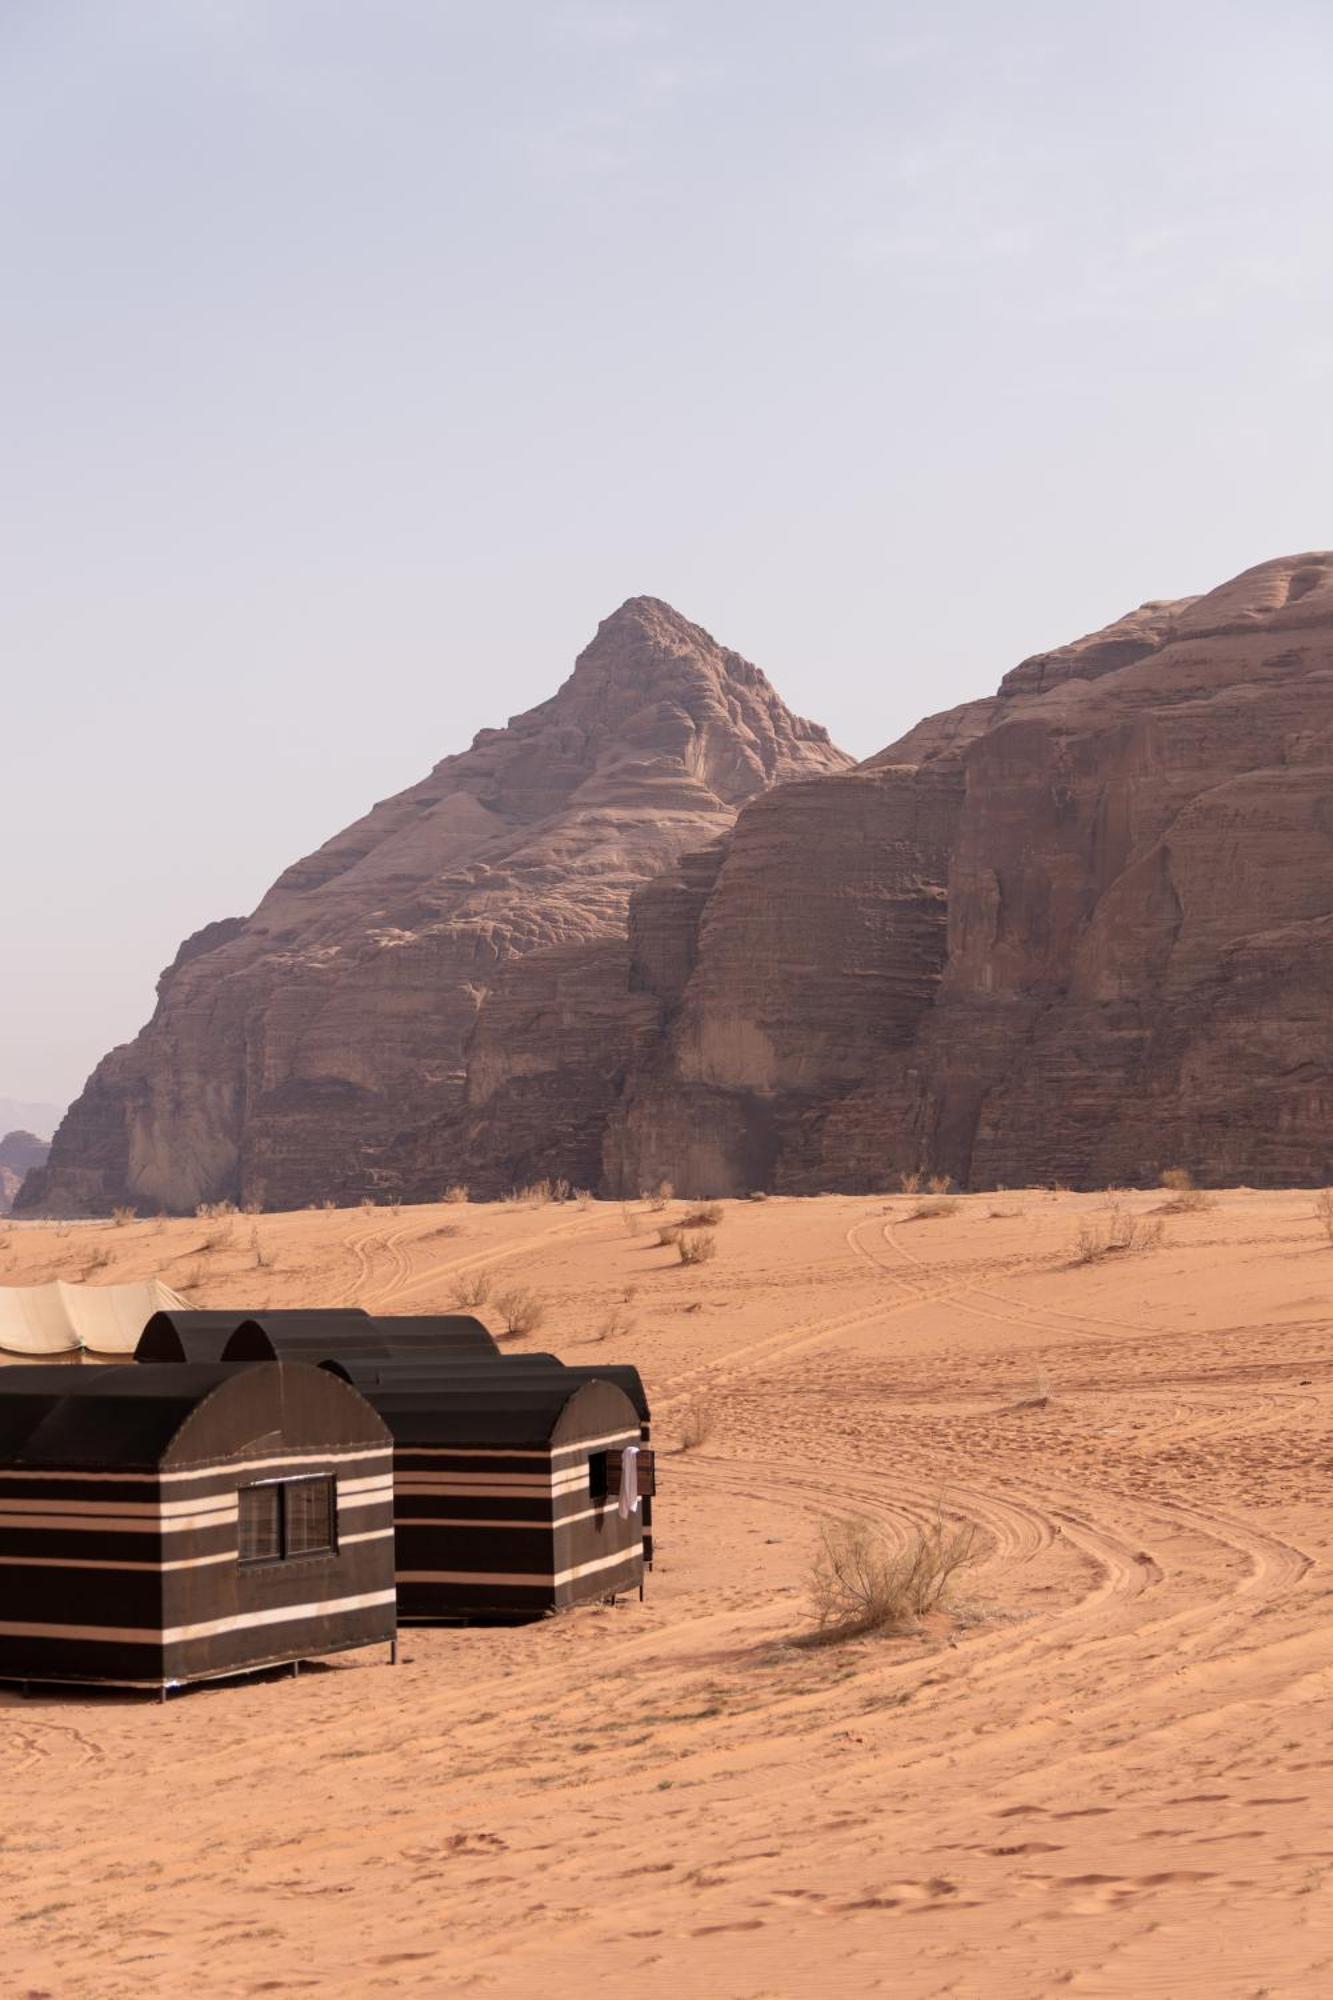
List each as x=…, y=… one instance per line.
x=20, y=1152
x=1080, y=931
x=328, y=1045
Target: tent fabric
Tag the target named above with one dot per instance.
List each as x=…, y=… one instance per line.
x=64, y=1319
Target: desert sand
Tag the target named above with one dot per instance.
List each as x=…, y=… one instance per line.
x=1105, y=1771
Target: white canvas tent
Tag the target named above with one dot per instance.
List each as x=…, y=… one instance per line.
x=64, y=1322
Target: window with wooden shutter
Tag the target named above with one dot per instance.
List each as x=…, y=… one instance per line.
x=310, y=1525
x=281, y=1519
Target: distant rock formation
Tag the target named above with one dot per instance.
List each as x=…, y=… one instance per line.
x=1082, y=931
x=328, y=1045
x=19, y=1153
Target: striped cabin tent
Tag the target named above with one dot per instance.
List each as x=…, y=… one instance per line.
x=169, y=1524
x=370, y=1374
x=506, y=1487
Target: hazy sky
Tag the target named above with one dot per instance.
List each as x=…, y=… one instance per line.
x=357, y=358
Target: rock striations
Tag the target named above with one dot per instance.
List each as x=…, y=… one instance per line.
x=1081, y=931
x=328, y=1045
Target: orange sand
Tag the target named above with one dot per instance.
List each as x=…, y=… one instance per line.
x=1109, y=1774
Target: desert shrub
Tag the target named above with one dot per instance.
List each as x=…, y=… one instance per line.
x=696, y=1423
x=1323, y=1208
x=1120, y=1234
x=521, y=1309
x=861, y=1583
x=473, y=1288
x=263, y=1258
x=1190, y=1201
x=616, y=1324
x=366, y=1201
x=909, y=1183
x=208, y=1211
x=537, y=1195
x=560, y=1189
x=631, y=1218
x=696, y=1246
x=98, y=1260
x=257, y=1207
x=456, y=1192
x=1179, y=1180
x=939, y=1183
x=584, y=1197
x=668, y=1234
x=120, y=1216
x=216, y=1239
x=706, y=1216
x=660, y=1196
x=933, y=1209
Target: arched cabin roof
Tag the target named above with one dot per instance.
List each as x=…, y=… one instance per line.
x=188, y=1336
x=437, y=1376
x=329, y=1336
x=145, y=1416
x=491, y=1409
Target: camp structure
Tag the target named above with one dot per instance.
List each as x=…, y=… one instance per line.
x=68, y=1322
x=324, y=1335
x=508, y=1486
x=162, y=1524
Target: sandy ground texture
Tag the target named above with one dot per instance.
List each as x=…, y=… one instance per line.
x=1107, y=1772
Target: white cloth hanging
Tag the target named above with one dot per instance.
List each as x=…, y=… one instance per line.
x=629, y=1481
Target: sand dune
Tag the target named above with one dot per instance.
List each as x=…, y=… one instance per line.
x=1106, y=1773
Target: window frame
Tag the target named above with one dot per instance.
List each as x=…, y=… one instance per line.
x=285, y=1553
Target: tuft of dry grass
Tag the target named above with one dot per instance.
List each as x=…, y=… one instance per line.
x=1177, y=1180
x=1122, y=1234
x=457, y=1191
x=98, y=1260
x=616, y=1324
x=120, y=1216
x=696, y=1246
x=263, y=1258
x=473, y=1288
x=932, y=1209
x=1190, y=1201
x=208, y=1211
x=584, y=1197
x=521, y=1310
x=668, y=1234
x=706, y=1216
x=910, y=1183
x=696, y=1422
x=939, y=1183
x=862, y=1584
x=631, y=1218
x=659, y=1196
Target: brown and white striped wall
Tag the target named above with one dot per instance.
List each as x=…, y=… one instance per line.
x=120, y=1557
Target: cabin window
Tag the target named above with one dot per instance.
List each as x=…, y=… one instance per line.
x=280, y=1519
x=597, y=1474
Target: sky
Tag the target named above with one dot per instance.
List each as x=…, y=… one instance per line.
x=356, y=359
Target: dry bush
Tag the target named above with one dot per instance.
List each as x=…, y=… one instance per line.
x=909, y=1183
x=861, y=1583
x=617, y=1324
x=1120, y=1235
x=631, y=1218
x=939, y=1183
x=457, y=1191
x=98, y=1260
x=696, y=1423
x=521, y=1309
x=208, y=1211
x=257, y=1207
x=584, y=1197
x=933, y=1209
x=696, y=1246
x=1323, y=1208
x=561, y=1190
x=1042, y=1394
x=263, y=1257
x=668, y=1234
x=1178, y=1180
x=660, y=1196
x=537, y=1194
x=120, y=1216
x=366, y=1201
x=706, y=1216
x=473, y=1288
x=1190, y=1201
x=216, y=1239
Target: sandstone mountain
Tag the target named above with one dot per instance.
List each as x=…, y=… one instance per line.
x=1081, y=931
x=326, y=1047
x=20, y=1152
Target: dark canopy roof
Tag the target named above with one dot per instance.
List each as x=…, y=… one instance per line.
x=188, y=1336
x=451, y=1374
x=492, y=1408
x=354, y=1335
x=126, y=1418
